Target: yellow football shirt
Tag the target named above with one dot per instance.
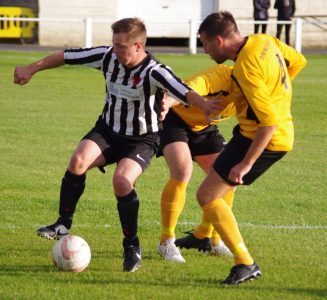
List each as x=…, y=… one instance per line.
x=294, y=60
x=208, y=83
x=262, y=90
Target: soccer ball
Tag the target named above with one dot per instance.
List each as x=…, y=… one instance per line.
x=71, y=253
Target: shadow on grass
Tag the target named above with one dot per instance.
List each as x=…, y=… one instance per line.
x=25, y=269
x=298, y=292
x=131, y=279
x=211, y=284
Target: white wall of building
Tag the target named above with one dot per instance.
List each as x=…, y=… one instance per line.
x=72, y=33
x=166, y=18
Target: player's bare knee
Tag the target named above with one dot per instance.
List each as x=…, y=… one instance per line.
x=122, y=186
x=202, y=197
x=181, y=174
x=77, y=165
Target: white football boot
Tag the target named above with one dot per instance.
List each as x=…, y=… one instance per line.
x=169, y=251
x=54, y=231
x=221, y=249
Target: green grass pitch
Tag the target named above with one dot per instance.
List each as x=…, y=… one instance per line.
x=282, y=216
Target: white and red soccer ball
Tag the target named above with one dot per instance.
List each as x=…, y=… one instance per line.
x=71, y=253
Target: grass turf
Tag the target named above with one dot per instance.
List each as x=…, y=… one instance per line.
x=282, y=216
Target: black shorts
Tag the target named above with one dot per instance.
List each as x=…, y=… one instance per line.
x=206, y=141
x=235, y=151
x=115, y=147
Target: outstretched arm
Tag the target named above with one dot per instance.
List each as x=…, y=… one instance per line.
x=208, y=107
x=23, y=74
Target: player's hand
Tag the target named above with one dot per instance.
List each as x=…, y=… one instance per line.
x=221, y=103
x=211, y=108
x=22, y=75
x=237, y=173
x=208, y=107
x=165, y=105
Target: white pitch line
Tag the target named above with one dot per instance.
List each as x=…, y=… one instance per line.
x=269, y=226
x=157, y=223
x=293, y=226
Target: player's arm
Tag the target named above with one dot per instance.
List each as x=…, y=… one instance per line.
x=261, y=110
x=214, y=83
x=166, y=80
x=197, y=83
x=209, y=107
x=23, y=74
x=295, y=61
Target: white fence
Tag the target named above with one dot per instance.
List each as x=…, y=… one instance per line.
x=192, y=25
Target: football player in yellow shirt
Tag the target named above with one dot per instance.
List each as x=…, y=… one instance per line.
x=261, y=91
x=187, y=136
x=200, y=238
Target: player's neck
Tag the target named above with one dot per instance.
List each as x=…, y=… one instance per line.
x=236, y=45
x=139, y=58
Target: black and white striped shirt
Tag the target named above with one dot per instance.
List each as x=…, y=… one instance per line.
x=131, y=106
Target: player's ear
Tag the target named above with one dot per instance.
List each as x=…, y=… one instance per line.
x=139, y=46
x=219, y=41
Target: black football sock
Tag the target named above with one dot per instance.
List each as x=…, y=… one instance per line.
x=128, y=207
x=72, y=188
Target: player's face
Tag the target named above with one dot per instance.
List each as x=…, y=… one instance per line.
x=213, y=47
x=126, y=50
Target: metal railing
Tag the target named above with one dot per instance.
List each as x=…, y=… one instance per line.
x=193, y=26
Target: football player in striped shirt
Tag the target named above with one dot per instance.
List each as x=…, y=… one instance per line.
x=126, y=132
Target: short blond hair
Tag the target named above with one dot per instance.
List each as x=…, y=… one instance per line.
x=134, y=27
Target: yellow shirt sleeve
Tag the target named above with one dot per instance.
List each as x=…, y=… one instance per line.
x=208, y=83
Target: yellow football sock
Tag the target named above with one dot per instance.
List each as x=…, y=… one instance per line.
x=172, y=203
x=223, y=220
x=215, y=238
x=229, y=198
x=205, y=229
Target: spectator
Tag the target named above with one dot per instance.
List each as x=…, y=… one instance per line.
x=260, y=13
x=285, y=12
